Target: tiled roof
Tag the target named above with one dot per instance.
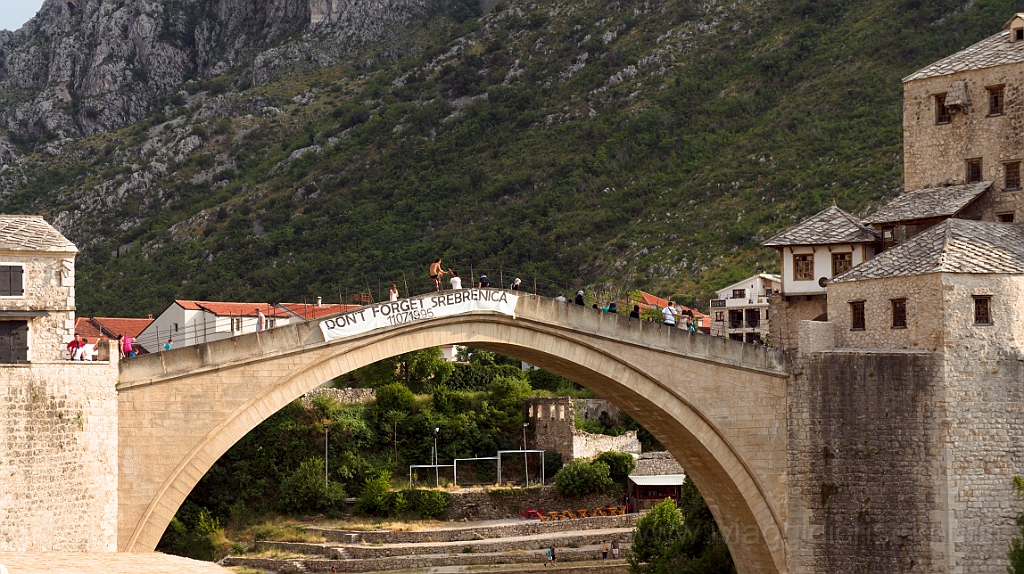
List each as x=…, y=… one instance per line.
x=231, y=309
x=648, y=300
x=31, y=233
x=114, y=326
x=953, y=246
x=928, y=203
x=829, y=227
x=85, y=327
x=995, y=50
x=310, y=311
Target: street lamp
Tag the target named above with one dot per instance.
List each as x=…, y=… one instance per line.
x=327, y=426
x=437, y=476
x=526, y=463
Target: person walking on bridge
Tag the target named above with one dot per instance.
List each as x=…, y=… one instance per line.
x=393, y=295
x=669, y=314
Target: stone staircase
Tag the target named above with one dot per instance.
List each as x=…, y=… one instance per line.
x=519, y=546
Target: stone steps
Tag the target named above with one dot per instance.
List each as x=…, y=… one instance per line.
x=573, y=539
x=590, y=555
x=474, y=532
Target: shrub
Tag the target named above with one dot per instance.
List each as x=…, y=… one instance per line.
x=430, y=503
x=654, y=532
x=400, y=504
x=394, y=397
x=582, y=477
x=305, y=490
x=375, y=499
x=620, y=464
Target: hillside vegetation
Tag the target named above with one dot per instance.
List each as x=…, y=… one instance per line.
x=614, y=144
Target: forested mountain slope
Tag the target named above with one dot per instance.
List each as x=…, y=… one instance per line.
x=589, y=142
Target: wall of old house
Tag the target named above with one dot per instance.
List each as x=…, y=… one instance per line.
x=924, y=313
x=936, y=155
x=786, y=314
x=49, y=283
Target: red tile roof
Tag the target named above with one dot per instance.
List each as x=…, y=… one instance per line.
x=100, y=328
x=230, y=309
x=311, y=311
x=648, y=300
x=85, y=328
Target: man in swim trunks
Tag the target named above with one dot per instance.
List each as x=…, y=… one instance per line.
x=436, y=273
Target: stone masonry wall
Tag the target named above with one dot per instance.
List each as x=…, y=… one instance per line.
x=867, y=462
x=984, y=370
x=924, y=313
x=553, y=422
x=481, y=504
x=49, y=286
x=589, y=445
x=655, y=463
x=343, y=396
x=58, y=457
x=786, y=314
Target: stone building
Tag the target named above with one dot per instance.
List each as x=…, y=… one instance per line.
x=740, y=311
x=58, y=418
x=818, y=248
x=554, y=427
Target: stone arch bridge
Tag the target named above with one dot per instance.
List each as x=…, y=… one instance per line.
x=719, y=406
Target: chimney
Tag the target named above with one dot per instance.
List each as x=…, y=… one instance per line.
x=319, y=301
x=150, y=316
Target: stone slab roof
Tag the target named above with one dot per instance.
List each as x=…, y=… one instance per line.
x=829, y=227
x=995, y=50
x=928, y=203
x=31, y=233
x=953, y=246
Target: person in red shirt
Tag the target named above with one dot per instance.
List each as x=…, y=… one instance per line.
x=74, y=345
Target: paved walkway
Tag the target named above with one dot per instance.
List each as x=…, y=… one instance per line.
x=104, y=563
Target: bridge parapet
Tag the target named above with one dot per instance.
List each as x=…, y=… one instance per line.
x=539, y=310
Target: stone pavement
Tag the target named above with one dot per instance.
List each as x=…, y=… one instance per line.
x=104, y=563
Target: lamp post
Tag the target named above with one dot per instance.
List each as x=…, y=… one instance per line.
x=526, y=463
x=437, y=476
x=327, y=426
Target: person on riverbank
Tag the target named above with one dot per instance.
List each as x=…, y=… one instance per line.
x=604, y=550
x=456, y=281
x=393, y=294
x=552, y=557
x=615, y=549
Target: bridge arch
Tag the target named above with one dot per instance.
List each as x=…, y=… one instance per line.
x=180, y=411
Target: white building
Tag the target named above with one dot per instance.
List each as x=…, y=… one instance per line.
x=740, y=311
x=193, y=322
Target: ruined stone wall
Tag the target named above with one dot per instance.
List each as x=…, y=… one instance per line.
x=655, y=463
x=553, y=423
x=493, y=504
x=786, y=314
x=924, y=313
x=58, y=457
x=867, y=462
x=343, y=396
x=592, y=409
x=589, y=445
x=935, y=155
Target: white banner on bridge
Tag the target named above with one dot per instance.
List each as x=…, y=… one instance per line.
x=417, y=309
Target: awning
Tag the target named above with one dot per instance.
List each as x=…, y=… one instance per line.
x=659, y=480
x=22, y=314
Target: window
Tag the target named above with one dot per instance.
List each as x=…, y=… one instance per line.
x=803, y=268
x=753, y=317
x=236, y=324
x=1011, y=174
x=719, y=316
x=899, y=313
x=13, y=341
x=175, y=327
x=857, y=315
x=995, y=101
x=735, y=319
x=1005, y=217
x=841, y=262
x=1018, y=34
x=983, y=310
x=739, y=293
x=12, y=281
x=942, y=113
x=974, y=170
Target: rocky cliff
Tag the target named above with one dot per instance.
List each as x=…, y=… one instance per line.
x=88, y=66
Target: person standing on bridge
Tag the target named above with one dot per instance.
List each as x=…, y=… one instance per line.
x=456, y=281
x=634, y=314
x=669, y=313
x=579, y=297
x=436, y=273
x=169, y=345
x=517, y=284
x=484, y=282
x=261, y=321
x=393, y=294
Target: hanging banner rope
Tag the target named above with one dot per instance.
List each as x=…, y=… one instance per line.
x=417, y=309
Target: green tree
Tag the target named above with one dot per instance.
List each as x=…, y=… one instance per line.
x=582, y=477
x=306, y=490
x=620, y=464
x=417, y=370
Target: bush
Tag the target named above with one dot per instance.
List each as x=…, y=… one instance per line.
x=304, y=490
x=430, y=503
x=654, y=532
x=394, y=397
x=582, y=477
x=620, y=464
x=376, y=498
